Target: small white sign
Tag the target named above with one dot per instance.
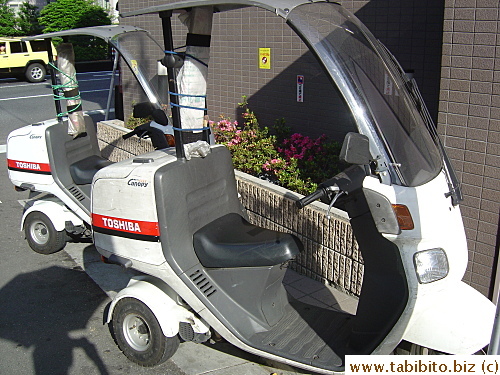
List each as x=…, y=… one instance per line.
x=388, y=85
x=300, y=89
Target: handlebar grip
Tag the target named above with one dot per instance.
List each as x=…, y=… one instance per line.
x=301, y=203
x=128, y=135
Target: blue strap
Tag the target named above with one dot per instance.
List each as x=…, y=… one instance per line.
x=188, y=107
x=188, y=55
x=191, y=96
x=192, y=130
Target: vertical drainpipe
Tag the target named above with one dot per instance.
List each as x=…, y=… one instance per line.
x=168, y=42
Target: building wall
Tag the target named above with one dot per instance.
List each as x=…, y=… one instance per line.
x=459, y=80
x=411, y=29
x=469, y=121
x=15, y=4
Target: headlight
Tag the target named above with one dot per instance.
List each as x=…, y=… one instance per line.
x=430, y=265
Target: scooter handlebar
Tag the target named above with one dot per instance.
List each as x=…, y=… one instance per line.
x=141, y=131
x=347, y=181
x=308, y=199
x=128, y=135
x=156, y=135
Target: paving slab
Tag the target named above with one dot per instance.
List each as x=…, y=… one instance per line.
x=196, y=359
x=111, y=278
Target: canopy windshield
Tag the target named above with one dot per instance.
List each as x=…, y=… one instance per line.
x=373, y=89
x=142, y=54
x=139, y=50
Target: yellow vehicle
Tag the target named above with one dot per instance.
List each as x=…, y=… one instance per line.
x=24, y=59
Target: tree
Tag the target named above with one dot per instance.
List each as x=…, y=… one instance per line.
x=71, y=14
x=27, y=22
x=7, y=20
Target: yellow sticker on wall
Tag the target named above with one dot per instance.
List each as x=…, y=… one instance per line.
x=264, y=58
x=134, y=66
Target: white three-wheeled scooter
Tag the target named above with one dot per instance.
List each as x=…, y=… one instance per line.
x=177, y=219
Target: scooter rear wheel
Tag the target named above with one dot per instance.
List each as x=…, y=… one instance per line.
x=139, y=335
x=41, y=235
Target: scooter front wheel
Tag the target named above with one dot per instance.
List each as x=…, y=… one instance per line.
x=139, y=335
x=41, y=235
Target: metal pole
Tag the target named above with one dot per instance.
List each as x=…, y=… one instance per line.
x=494, y=347
x=111, y=85
x=53, y=77
x=166, y=23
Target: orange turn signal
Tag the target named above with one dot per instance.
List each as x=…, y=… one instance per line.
x=403, y=215
x=170, y=140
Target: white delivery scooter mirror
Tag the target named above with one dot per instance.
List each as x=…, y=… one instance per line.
x=401, y=195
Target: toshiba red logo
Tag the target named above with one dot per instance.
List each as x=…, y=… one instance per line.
x=146, y=228
x=121, y=224
x=28, y=166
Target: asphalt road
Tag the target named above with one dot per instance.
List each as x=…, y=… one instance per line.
x=51, y=312
x=24, y=103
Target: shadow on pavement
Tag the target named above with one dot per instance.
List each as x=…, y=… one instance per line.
x=39, y=310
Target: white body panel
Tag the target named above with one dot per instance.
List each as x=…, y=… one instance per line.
x=56, y=211
x=163, y=302
x=28, y=145
x=457, y=319
x=446, y=315
x=129, y=218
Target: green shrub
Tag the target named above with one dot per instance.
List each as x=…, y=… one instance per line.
x=294, y=161
x=70, y=14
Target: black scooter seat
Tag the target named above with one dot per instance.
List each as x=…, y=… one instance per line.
x=231, y=241
x=84, y=170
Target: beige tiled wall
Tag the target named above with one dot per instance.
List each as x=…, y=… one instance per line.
x=469, y=120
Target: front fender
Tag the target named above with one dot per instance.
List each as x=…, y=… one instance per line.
x=456, y=319
x=56, y=211
x=162, y=301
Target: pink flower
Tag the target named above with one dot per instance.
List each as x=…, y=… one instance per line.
x=235, y=141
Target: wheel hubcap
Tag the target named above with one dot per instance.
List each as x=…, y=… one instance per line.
x=39, y=232
x=36, y=73
x=136, y=332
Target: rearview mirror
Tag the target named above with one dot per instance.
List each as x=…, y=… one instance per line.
x=172, y=61
x=160, y=117
x=355, y=149
x=145, y=109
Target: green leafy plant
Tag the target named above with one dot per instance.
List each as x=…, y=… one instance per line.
x=294, y=161
x=7, y=20
x=133, y=122
x=27, y=20
x=69, y=14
